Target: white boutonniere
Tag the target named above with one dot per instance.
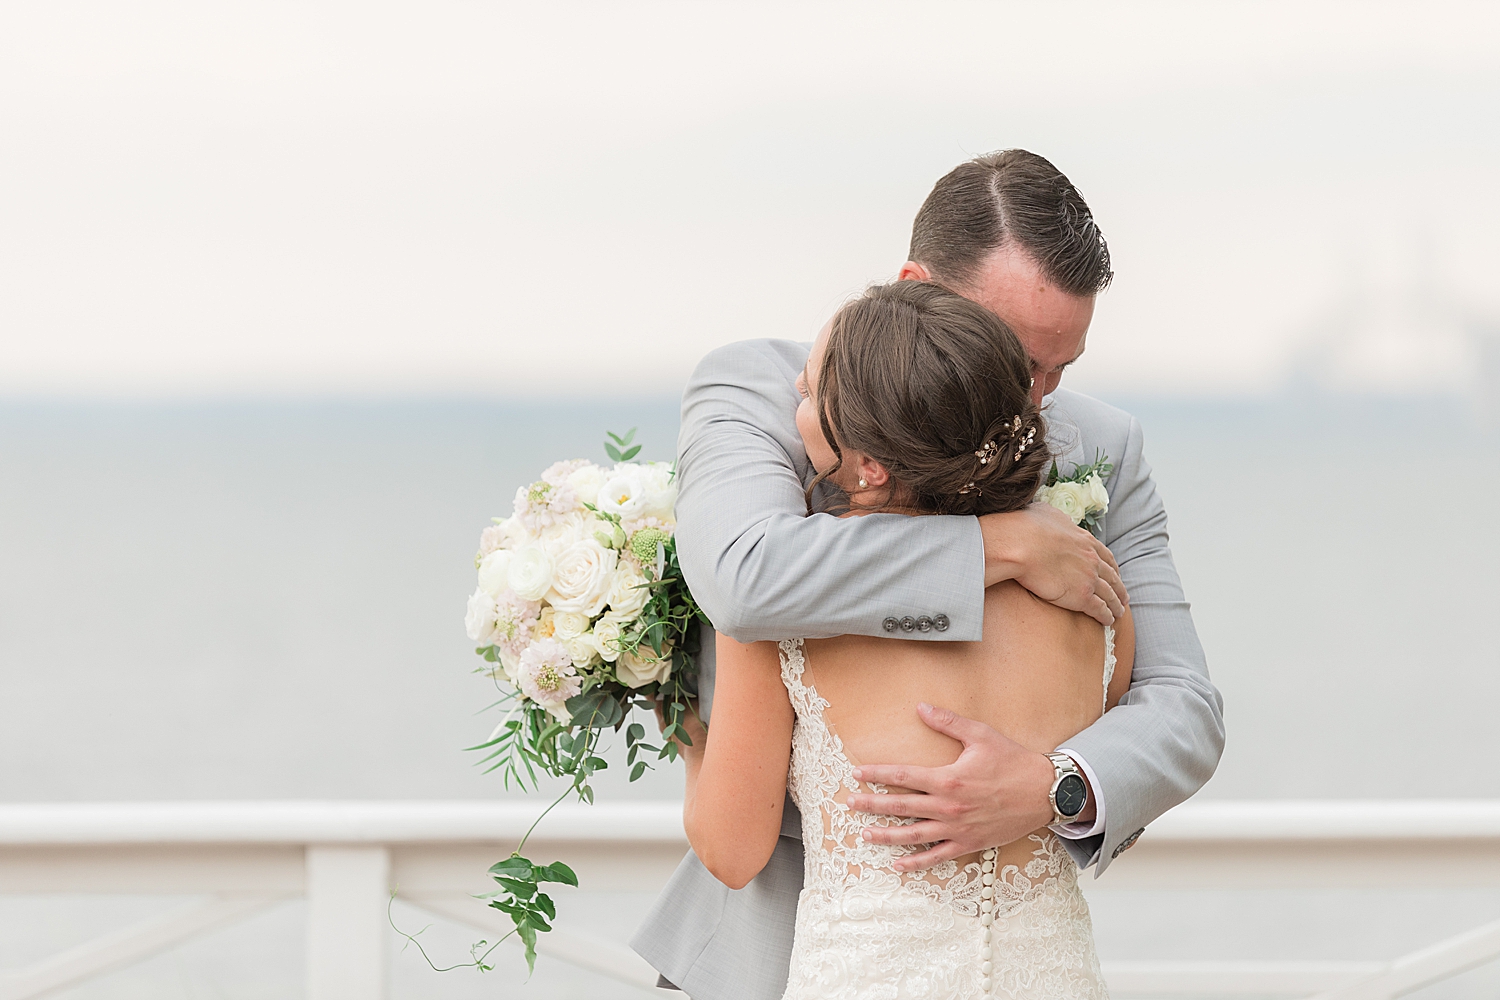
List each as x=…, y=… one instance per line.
x=1081, y=494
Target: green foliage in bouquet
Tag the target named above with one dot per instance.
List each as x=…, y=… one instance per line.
x=532, y=741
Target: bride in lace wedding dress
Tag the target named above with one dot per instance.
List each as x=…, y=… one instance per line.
x=915, y=402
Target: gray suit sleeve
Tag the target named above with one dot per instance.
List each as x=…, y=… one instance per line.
x=760, y=567
x=1164, y=739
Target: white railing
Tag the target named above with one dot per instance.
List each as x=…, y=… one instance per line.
x=344, y=857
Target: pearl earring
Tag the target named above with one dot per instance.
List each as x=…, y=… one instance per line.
x=864, y=485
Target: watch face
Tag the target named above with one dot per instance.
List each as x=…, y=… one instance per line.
x=1071, y=795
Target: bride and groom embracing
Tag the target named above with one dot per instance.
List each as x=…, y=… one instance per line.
x=932, y=700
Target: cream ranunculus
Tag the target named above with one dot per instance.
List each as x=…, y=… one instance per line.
x=605, y=637
x=1071, y=499
x=494, y=572
x=641, y=667
x=479, y=622
x=581, y=575
x=627, y=593
x=1097, y=494
x=585, y=481
x=530, y=574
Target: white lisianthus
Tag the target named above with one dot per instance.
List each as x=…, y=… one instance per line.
x=605, y=637
x=642, y=667
x=494, y=572
x=1070, y=498
x=627, y=591
x=547, y=676
x=581, y=575
x=479, y=622
x=530, y=574
x=623, y=492
x=1097, y=494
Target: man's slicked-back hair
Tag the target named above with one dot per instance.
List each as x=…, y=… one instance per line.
x=1010, y=198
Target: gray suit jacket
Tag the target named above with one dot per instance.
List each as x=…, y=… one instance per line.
x=762, y=569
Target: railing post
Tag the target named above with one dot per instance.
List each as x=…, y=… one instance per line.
x=347, y=895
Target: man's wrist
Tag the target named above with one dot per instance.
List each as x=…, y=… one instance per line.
x=1003, y=557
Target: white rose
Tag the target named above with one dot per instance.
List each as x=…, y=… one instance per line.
x=641, y=668
x=569, y=625
x=479, y=622
x=582, y=650
x=568, y=529
x=1097, y=494
x=605, y=638
x=1071, y=499
x=627, y=593
x=494, y=572
x=530, y=573
x=624, y=492
x=586, y=481
x=581, y=575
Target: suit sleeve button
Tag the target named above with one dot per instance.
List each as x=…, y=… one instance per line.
x=908, y=624
x=890, y=624
x=924, y=624
x=940, y=623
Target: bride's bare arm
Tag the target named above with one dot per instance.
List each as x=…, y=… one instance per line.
x=736, y=780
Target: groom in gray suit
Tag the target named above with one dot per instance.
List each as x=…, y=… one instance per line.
x=1010, y=232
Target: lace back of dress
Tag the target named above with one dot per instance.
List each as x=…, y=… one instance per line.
x=821, y=779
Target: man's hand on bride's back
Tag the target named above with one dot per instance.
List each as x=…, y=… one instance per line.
x=1044, y=551
x=996, y=792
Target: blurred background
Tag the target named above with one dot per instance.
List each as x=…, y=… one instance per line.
x=294, y=296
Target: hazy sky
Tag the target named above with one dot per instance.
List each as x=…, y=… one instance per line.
x=236, y=197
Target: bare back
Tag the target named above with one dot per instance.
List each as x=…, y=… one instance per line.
x=1038, y=676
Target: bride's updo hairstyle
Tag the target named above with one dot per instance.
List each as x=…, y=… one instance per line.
x=937, y=389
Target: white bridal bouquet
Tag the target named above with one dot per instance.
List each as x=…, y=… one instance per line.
x=581, y=616
x=1081, y=494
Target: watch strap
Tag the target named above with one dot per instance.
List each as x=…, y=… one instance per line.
x=1064, y=767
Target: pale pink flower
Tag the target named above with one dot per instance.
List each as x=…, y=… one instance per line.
x=547, y=675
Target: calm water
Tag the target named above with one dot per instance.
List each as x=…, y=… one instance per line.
x=265, y=601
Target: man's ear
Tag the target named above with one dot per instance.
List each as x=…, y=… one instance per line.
x=912, y=271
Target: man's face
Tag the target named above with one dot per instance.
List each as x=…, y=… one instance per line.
x=1052, y=324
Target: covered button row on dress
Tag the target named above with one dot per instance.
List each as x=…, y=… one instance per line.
x=922, y=624
x=987, y=918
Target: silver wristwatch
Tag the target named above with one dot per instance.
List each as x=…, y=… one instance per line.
x=1070, y=792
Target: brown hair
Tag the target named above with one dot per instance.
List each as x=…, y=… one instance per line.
x=937, y=389
x=1010, y=197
